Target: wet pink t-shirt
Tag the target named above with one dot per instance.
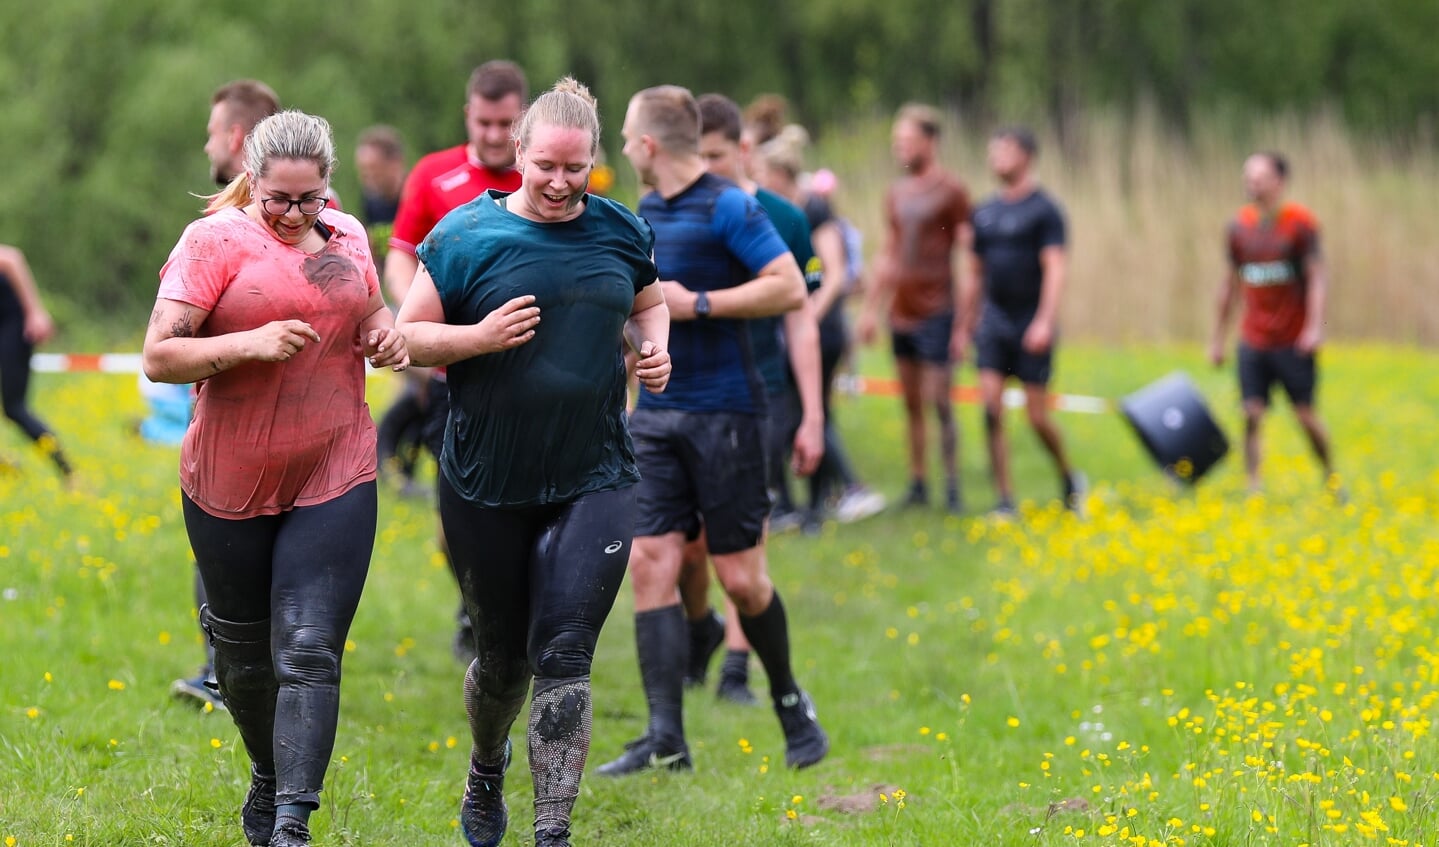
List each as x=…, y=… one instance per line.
x=270, y=436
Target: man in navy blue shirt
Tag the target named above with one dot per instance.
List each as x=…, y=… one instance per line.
x=699, y=445
x=1019, y=254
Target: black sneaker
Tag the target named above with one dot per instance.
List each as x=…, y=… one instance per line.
x=290, y=832
x=953, y=503
x=918, y=495
x=706, y=636
x=1004, y=509
x=735, y=690
x=646, y=753
x=257, y=816
x=804, y=741
x=1076, y=487
x=553, y=838
x=483, y=816
x=199, y=689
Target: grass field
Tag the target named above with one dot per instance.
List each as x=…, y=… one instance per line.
x=1201, y=668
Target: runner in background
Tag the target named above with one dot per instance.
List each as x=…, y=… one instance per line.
x=1277, y=269
x=917, y=284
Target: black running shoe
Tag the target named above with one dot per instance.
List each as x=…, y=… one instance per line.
x=290, y=832
x=953, y=503
x=483, y=815
x=706, y=636
x=553, y=838
x=646, y=753
x=1004, y=509
x=804, y=741
x=735, y=690
x=918, y=495
x=1076, y=488
x=257, y=816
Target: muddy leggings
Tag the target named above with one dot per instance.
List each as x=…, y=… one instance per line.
x=538, y=583
x=282, y=592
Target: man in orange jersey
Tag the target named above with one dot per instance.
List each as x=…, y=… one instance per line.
x=1274, y=260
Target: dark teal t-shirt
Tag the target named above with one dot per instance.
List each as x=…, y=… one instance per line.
x=767, y=334
x=544, y=422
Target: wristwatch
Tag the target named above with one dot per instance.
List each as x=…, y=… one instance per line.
x=702, y=304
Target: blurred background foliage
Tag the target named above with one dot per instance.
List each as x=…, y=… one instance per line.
x=103, y=103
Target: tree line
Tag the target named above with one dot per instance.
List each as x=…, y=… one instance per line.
x=103, y=103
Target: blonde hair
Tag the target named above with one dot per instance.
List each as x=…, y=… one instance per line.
x=290, y=134
x=669, y=115
x=568, y=105
x=786, y=150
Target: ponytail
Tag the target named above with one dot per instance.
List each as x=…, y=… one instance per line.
x=236, y=195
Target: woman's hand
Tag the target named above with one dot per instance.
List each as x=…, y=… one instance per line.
x=278, y=341
x=653, y=367
x=509, y=326
x=385, y=347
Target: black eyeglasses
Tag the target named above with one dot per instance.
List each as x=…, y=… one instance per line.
x=280, y=206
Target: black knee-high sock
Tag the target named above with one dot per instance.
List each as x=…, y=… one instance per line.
x=768, y=634
x=491, y=716
x=662, y=641
x=559, y=740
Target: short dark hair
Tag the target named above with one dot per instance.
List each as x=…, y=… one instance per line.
x=720, y=114
x=247, y=101
x=667, y=113
x=1021, y=135
x=922, y=115
x=496, y=80
x=1281, y=164
x=384, y=138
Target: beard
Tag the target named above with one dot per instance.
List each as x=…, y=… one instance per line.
x=220, y=175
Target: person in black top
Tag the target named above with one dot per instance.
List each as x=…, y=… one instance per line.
x=1019, y=254
x=24, y=323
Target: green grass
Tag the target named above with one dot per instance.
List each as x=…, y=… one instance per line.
x=1185, y=667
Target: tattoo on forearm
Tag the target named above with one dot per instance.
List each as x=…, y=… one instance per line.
x=155, y=317
x=183, y=327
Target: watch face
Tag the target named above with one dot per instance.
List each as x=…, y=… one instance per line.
x=702, y=304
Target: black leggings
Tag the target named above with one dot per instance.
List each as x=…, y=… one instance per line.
x=834, y=469
x=538, y=581
x=15, y=372
x=282, y=593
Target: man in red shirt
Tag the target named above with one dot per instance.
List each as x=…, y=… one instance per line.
x=927, y=214
x=440, y=182
x=1274, y=260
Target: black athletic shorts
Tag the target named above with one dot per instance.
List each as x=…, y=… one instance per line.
x=928, y=342
x=1000, y=347
x=1260, y=369
x=701, y=468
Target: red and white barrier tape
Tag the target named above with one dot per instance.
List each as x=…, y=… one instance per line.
x=129, y=363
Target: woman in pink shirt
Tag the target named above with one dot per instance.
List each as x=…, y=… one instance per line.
x=271, y=302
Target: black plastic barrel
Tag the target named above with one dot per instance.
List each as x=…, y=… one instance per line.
x=1175, y=425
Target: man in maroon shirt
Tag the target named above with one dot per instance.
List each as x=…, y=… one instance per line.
x=440, y=182
x=927, y=217
x=1274, y=260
